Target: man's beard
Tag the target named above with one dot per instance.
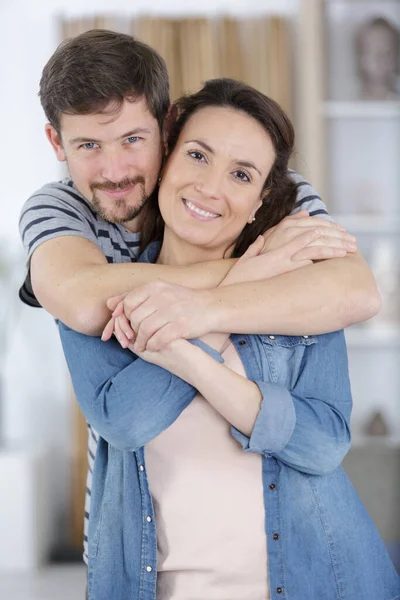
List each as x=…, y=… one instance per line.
x=124, y=212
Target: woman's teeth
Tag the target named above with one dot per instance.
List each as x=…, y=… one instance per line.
x=203, y=213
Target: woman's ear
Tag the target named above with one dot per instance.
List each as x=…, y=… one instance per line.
x=252, y=217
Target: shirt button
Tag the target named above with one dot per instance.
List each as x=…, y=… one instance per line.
x=272, y=486
x=271, y=337
x=149, y=519
x=305, y=337
x=276, y=536
x=279, y=590
x=149, y=569
x=141, y=468
x=242, y=343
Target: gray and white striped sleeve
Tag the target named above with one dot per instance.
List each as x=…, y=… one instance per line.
x=308, y=199
x=55, y=210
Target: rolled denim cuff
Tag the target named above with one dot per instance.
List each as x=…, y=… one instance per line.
x=275, y=422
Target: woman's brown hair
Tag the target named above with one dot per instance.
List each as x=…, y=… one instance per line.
x=279, y=190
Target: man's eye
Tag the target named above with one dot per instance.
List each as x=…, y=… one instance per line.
x=89, y=146
x=132, y=139
x=242, y=176
x=196, y=155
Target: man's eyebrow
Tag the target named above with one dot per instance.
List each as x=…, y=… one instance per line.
x=241, y=163
x=132, y=133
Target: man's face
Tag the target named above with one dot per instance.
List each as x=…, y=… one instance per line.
x=114, y=158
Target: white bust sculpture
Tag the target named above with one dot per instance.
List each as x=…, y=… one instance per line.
x=378, y=59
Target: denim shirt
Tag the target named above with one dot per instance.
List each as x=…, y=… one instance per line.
x=321, y=543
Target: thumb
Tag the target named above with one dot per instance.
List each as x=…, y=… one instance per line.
x=300, y=214
x=113, y=302
x=255, y=248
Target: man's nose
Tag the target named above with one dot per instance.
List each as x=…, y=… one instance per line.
x=115, y=166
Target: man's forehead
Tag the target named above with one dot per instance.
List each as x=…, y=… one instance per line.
x=114, y=118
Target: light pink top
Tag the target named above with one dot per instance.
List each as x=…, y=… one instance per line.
x=208, y=502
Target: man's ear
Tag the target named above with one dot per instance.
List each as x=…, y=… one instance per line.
x=55, y=140
x=169, y=120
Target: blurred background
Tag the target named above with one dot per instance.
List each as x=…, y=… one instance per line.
x=335, y=67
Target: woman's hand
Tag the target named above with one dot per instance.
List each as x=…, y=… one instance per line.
x=332, y=240
x=297, y=241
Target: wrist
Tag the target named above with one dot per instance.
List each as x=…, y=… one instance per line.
x=214, y=311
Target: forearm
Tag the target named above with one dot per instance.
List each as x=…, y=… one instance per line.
x=127, y=401
x=236, y=398
x=87, y=291
x=315, y=299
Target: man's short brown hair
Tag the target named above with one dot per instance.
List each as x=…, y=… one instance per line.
x=88, y=72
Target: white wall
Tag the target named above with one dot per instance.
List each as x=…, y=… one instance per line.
x=35, y=408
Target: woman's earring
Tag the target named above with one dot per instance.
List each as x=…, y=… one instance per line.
x=253, y=219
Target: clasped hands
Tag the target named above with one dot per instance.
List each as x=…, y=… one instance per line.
x=152, y=316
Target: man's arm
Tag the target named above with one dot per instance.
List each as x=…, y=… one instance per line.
x=314, y=299
x=72, y=280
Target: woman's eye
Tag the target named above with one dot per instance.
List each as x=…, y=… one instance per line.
x=196, y=155
x=132, y=140
x=242, y=176
x=90, y=145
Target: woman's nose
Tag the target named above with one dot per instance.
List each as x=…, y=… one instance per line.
x=210, y=186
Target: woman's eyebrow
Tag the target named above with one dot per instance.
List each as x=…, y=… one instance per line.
x=249, y=165
x=241, y=163
x=202, y=144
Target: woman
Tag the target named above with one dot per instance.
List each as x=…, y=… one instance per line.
x=241, y=495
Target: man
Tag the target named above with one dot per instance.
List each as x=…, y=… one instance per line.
x=106, y=97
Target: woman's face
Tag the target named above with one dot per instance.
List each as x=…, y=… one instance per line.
x=213, y=180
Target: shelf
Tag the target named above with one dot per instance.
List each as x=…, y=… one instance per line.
x=361, y=110
x=371, y=336
x=376, y=224
x=385, y=441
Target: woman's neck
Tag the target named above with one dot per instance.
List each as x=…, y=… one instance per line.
x=179, y=252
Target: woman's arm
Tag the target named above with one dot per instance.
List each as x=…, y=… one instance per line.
x=307, y=427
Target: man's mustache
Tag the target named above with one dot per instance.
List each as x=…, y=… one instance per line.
x=112, y=185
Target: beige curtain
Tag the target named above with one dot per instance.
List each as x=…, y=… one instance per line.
x=256, y=51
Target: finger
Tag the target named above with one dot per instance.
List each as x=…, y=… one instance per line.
x=136, y=298
x=126, y=327
x=319, y=253
x=108, y=330
x=314, y=222
x=302, y=240
x=255, y=248
x=119, y=334
x=340, y=241
x=148, y=328
x=144, y=311
x=164, y=336
x=119, y=310
x=113, y=301
x=299, y=214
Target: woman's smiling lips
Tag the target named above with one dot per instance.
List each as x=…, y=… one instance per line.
x=198, y=212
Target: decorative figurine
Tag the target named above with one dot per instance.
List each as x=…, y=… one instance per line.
x=378, y=59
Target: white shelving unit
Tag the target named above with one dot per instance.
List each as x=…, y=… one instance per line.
x=336, y=109
x=350, y=148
